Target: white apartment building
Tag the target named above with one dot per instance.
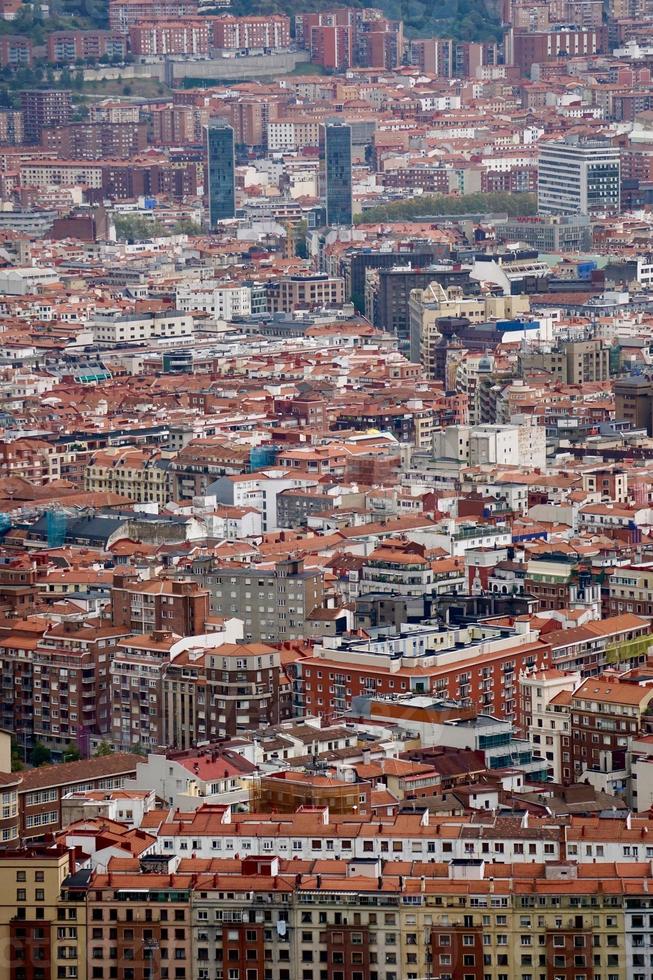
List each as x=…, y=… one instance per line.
x=521, y=445
x=224, y=301
x=141, y=326
x=414, y=837
x=546, y=704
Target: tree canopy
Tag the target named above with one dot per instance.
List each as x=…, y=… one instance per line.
x=425, y=205
x=41, y=755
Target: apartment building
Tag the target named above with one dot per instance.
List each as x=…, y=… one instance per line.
x=373, y=919
x=179, y=36
x=71, y=689
x=171, y=690
x=599, y=644
x=95, y=141
x=140, y=474
x=214, y=831
x=331, y=46
x=42, y=915
x=124, y=13
x=169, y=324
x=471, y=665
x=550, y=577
x=478, y=445
x=292, y=133
x=63, y=47
x=273, y=601
x=546, y=705
x=18, y=588
x=400, y=568
x=121, y=933
x=55, y=683
x=11, y=127
x=577, y=362
x=586, y=361
x=42, y=790
x=611, y=482
x=15, y=51
x=630, y=589
x=178, y=125
x=137, y=671
x=606, y=714
x=34, y=460
x=181, y=607
x=62, y=173
x=44, y=107
x=223, y=300
x=202, y=461
x=253, y=33
x=221, y=693
x=305, y=292
x=535, y=47
x=9, y=812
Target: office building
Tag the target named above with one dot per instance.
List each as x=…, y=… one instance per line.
x=336, y=153
x=578, y=177
x=550, y=233
x=221, y=171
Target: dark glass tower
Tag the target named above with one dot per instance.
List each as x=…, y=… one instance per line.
x=221, y=171
x=337, y=173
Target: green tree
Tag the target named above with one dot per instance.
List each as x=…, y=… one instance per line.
x=40, y=755
x=138, y=228
x=71, y=753
x=17, y=757
x=426, y=205
x=104, y=748
x=301, y=248
x=186, y=227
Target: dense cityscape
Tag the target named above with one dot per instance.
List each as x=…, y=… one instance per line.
x=326, y=490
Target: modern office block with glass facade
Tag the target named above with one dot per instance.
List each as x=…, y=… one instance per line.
x=336, y=168
x=221, y=171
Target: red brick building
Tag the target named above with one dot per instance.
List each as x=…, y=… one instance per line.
x=96, y=141
x=187, y=37
x=606, y=713
x=236, y=33
x=124, y=13
x=488, y=680
x=41, y=790
x=332, y=46
x=550, y=46
x=66, y=46
x=15, y=51
x=159, y=604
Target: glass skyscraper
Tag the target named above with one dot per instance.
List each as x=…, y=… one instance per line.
x=337, y=173
x=221, y=171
